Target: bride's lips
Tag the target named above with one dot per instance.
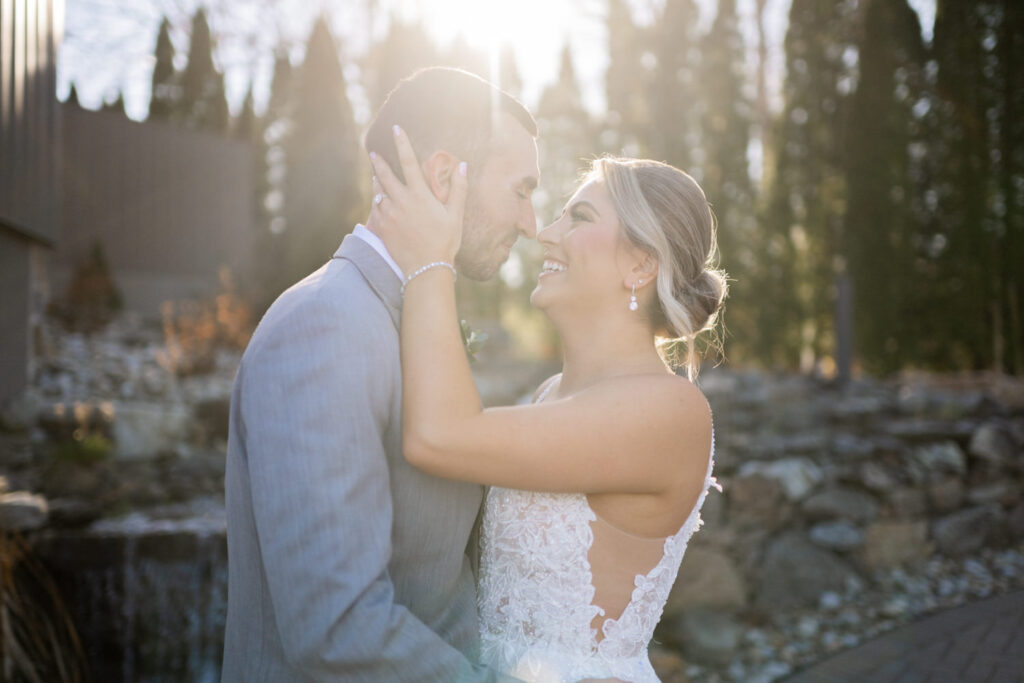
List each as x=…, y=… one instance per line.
x=551, y=267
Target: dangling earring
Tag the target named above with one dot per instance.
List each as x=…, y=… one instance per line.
x=633, y=303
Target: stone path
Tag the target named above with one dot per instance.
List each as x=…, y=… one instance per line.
x=982, y=642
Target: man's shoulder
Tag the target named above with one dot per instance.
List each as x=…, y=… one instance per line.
x=333, y=299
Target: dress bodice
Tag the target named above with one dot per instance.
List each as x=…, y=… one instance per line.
x=536, y=590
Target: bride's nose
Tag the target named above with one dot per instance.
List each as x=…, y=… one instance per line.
x=551, y=233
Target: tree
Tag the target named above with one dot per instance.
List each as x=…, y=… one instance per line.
x=624, y=82
x=203, y=102
x=165, y=93
x=672, y=133
x=508, y=72
x=725, y=125
x=324, y=178
x=116, y=105
x=802, y=217
x=405, y=48
x=245, y=124
x=883, y=228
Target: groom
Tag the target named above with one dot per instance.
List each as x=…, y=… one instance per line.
x=345, y=562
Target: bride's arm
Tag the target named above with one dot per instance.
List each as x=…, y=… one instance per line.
x=631, y=434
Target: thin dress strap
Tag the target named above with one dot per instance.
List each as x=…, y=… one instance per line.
x=557, y=379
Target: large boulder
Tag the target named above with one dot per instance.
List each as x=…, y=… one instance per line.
x=707, y=578
x=992, y=442
x=145, y=430
x=890, y=544
x=705, y=635
x=797, y=476
x=756, y=501
x=966, y=531
x=841, y=503
x=794, y=572
x=22, y=511
x=840, y=536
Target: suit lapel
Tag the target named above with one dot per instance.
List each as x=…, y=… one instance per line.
x=376, y=272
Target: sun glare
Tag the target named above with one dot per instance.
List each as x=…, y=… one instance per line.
x=536, y=30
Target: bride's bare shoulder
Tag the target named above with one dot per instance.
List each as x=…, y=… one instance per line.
x=677, y=400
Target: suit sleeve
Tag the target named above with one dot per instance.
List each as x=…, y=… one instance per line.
x=314, y=410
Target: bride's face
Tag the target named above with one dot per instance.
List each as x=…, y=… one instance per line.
x=586, y=255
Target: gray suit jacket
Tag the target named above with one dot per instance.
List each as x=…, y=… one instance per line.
x=344, y=562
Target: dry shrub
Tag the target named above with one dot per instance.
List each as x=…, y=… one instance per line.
x=38, y=640
x=195, y=328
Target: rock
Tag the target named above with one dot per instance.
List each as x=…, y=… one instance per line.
x=1015, y=521
x=668, y=665
x=705, y=635
x=966, y=531
x=755, y=501
x=890, y=544
x=22, y=511
x=1004, y=492
x=795, y=572
x=921, y=430
x=937, y=459
x=797, y=476
x=992, y=442
x=841, y=536
x=946, y=495
x=907, y=503
x=144, y=430
x=707, y=578
x=878, y=477
x=73, y=512
x=212, y=416
x=841, y=503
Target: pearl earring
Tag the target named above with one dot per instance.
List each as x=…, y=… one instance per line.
x=633, y=303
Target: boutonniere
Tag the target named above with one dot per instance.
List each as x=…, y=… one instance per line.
x=471, y=339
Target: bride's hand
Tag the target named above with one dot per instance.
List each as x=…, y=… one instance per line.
x=415, y=226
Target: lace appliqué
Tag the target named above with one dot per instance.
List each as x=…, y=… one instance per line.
x=536, y=590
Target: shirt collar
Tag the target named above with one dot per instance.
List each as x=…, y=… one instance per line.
x=364, y=233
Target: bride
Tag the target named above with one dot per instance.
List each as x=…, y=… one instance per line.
x=596, y=486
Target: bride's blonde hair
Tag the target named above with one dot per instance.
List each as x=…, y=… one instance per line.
x=664, y=212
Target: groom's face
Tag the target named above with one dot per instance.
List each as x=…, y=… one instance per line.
x=498, y=206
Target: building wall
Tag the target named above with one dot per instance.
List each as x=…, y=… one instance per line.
x=30, y=147
x=168, y=206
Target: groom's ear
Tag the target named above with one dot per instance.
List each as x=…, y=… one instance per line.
x=438, y=170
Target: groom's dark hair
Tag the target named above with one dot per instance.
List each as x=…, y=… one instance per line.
x=443, y=108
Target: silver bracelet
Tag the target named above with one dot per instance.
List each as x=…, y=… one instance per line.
x=427, y=267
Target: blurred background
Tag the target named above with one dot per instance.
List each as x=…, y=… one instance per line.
x=168, y=167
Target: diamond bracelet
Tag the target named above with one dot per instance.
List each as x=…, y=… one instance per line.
x=427, y=267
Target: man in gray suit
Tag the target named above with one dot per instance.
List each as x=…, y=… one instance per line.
x=345, y=562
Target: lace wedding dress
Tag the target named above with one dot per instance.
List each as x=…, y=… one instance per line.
x=536, y=589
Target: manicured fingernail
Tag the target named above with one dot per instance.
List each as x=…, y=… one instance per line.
x=397, y=130
x=373, y=155
x=462, y=168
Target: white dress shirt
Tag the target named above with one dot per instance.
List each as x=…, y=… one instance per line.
x=364, y=233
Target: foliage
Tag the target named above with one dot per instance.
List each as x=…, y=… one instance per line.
x=203, y=103
x=91, y=298
x=38, y=641
x=166, y=90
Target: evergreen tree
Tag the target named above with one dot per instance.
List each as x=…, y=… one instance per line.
x=965, y=237
x=72, y=100
x=245, y=125
x=624, y=82
x=565, y=138
x=405, y=48
x=1010, y=50
x=725, y=126
x=324, y=178
x=883, y=227
x=672, y=133
x=508, y=72
x=203, y=102
x=116, y=105
x=165, y=93
x=270, y=173
x=803, y=214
